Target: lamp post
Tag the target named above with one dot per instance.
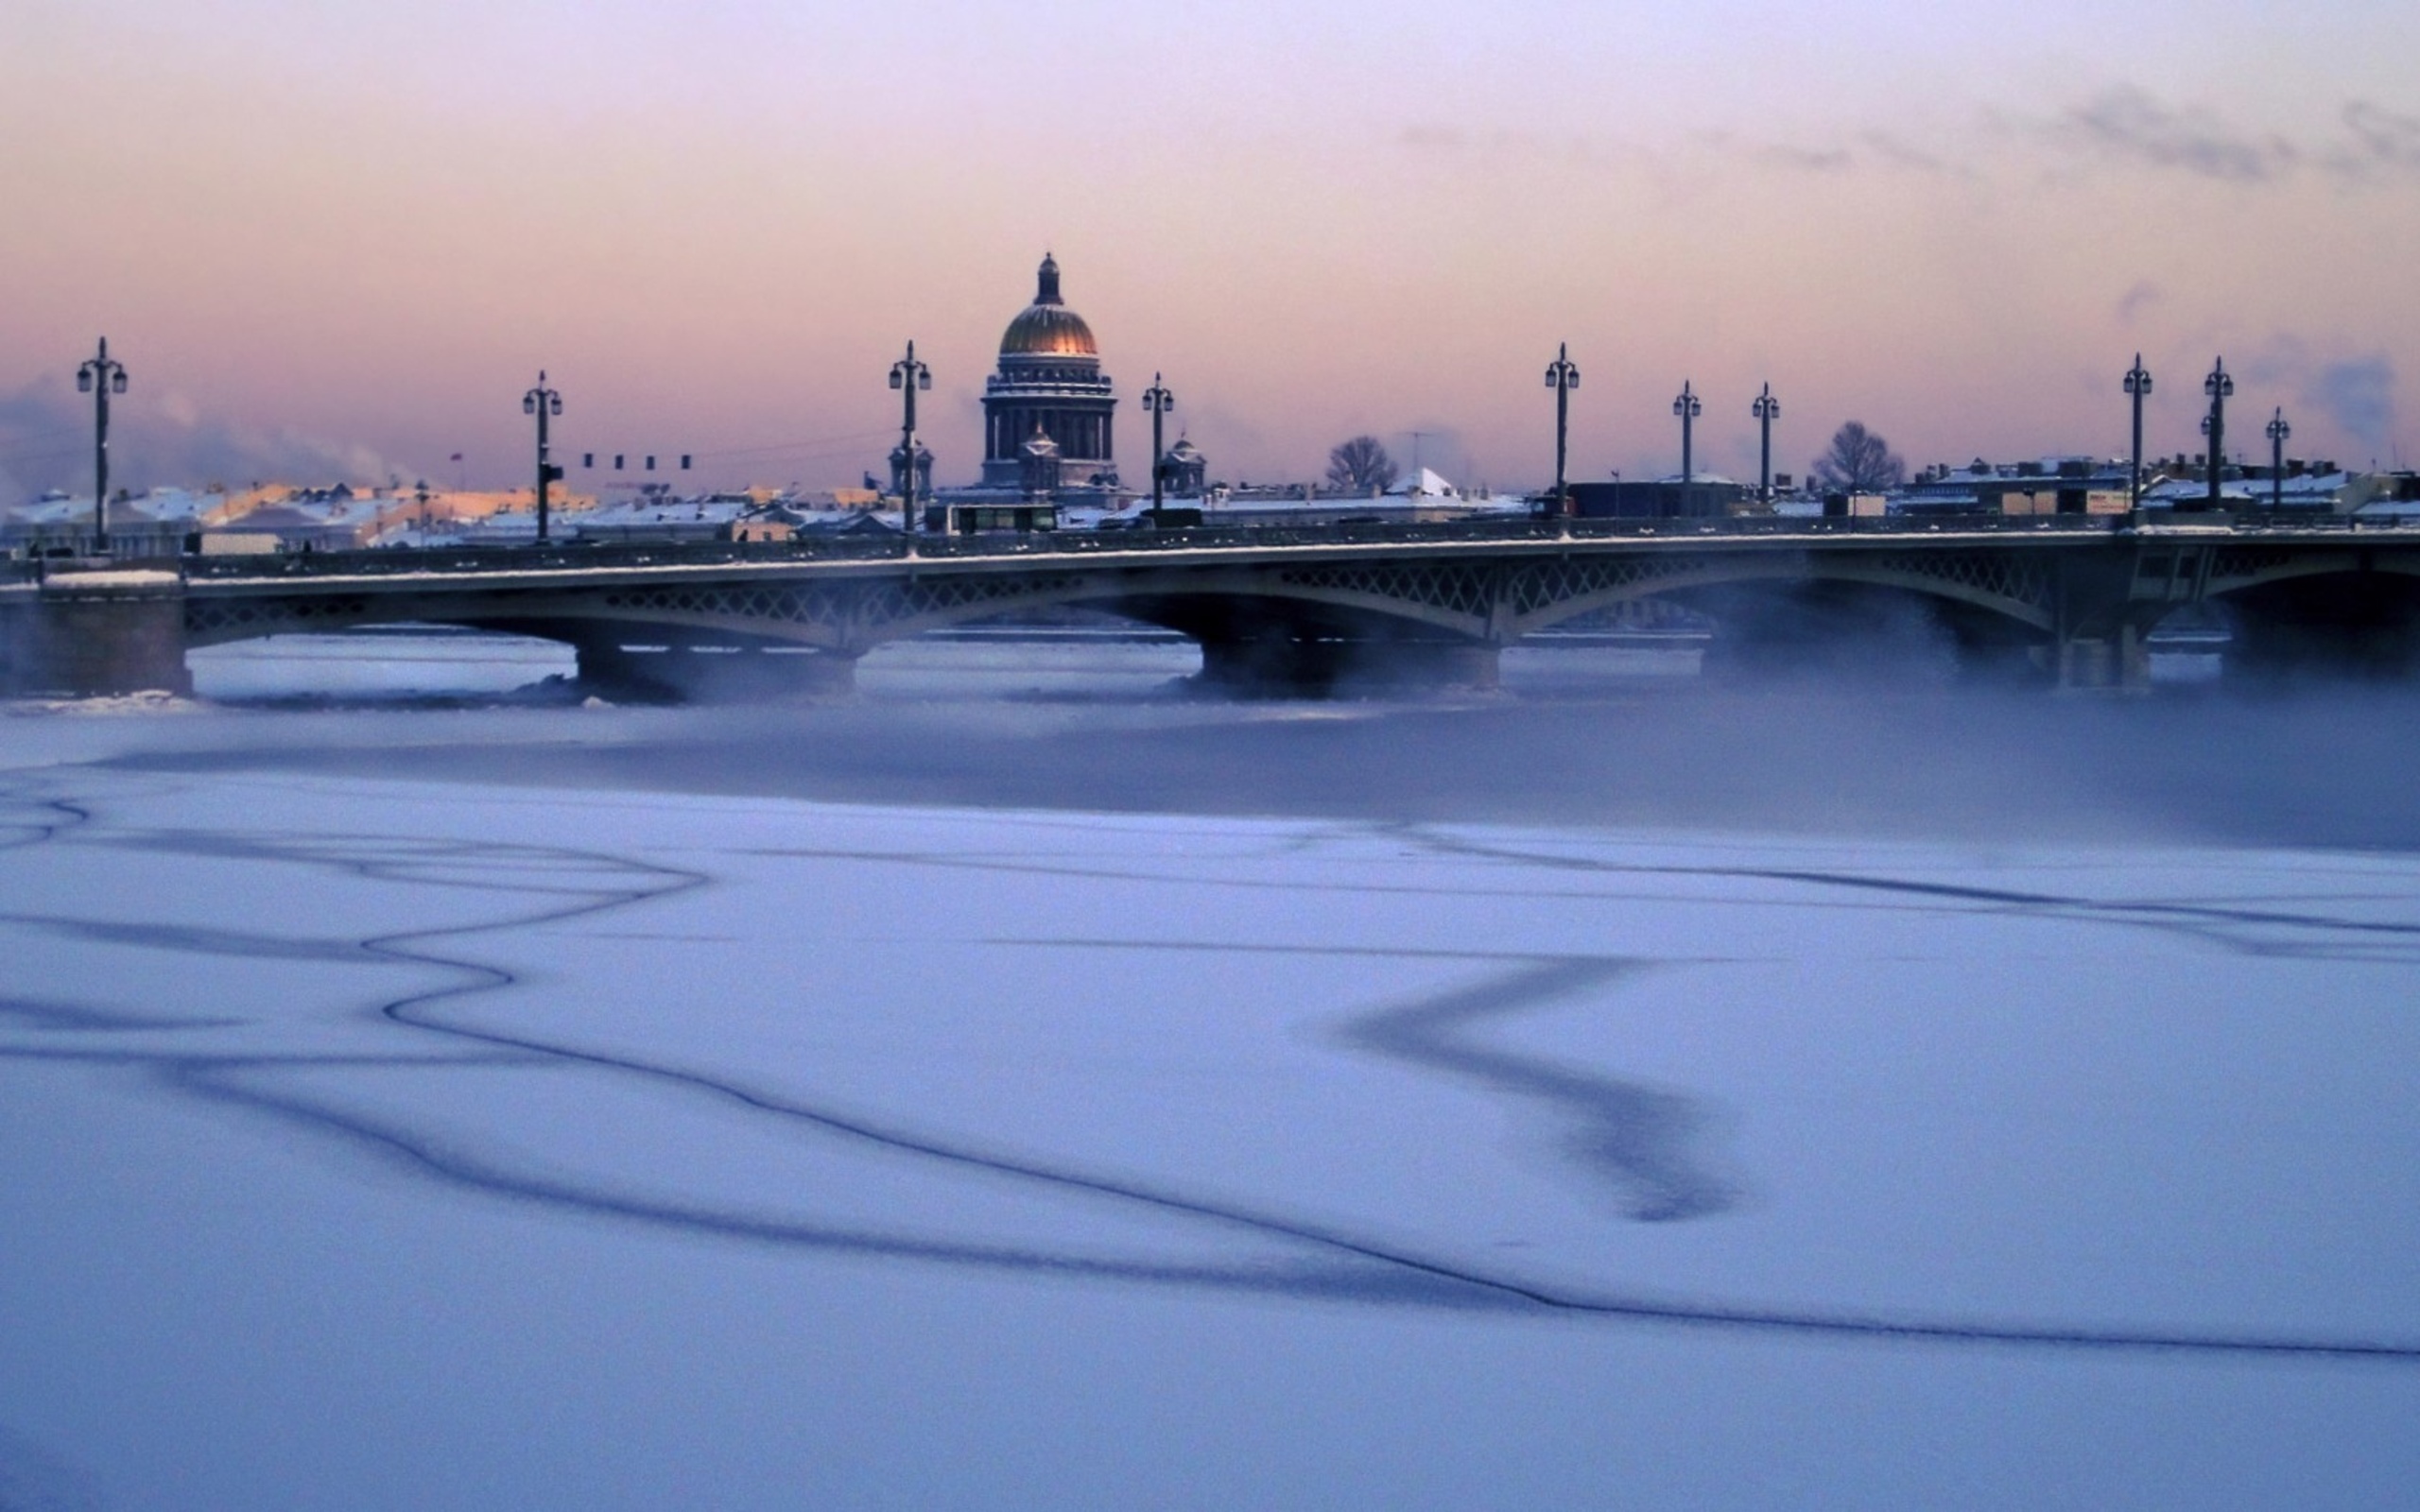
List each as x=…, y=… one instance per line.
x=1688, y=408
x=2278, y=431
x=100, y=376
x=2219, y=385
x=1562, y=378
x=546, y=403
x=909, y=377
x=1767, y=409
x=1159, y=401
x=2139, y=384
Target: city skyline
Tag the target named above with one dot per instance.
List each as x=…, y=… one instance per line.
x=343, y=246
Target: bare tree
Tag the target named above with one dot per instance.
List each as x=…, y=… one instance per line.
x=1361, y=464
x=1859, y=461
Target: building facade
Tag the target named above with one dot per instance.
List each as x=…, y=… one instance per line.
x=1049, y=388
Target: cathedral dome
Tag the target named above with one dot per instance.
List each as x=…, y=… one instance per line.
x=1048, y=328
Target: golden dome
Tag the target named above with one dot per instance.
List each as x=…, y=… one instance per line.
x=1049, y=331
x=1046, y=328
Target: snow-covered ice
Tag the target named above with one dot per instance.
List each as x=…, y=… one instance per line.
x=390, y=1143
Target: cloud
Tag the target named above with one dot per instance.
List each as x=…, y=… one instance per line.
x=2355, y=393
x=2142, y=297
x=2130, y=124
x=2358, y=395
x=1891, y=152
x=45, y=442
x=1804, y=160
x=2383, y=141
x=1869, y=149
x=2283, y=361
x=2123, y=124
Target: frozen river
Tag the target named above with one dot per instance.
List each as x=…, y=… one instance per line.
x=1081, y=1098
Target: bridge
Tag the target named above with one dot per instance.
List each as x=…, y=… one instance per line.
x=2067, y=601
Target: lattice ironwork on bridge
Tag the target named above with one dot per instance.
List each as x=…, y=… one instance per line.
x=1450, y=588
x=852, y=612
x=1543, y=593
x=2250, y=563
x=1535, y=590
x=1988, y=577
x=826, y=606
x=210, y=619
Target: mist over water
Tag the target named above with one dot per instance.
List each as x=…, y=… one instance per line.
x=1599, y=735
x=1026, y=1083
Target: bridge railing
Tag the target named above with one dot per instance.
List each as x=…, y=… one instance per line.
x=455, y=561
x=574, y=556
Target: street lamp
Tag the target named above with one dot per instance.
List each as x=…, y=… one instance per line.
x=1767, y=409
x=1688, y=408
x=2219, y=385
x=909, y=377
x=2139, y=384
x=100, y=376
x=546, y=403
x=1562, y=378
x=1159, y=401
x=2278, y=431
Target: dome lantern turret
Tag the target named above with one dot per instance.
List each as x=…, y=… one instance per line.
x=1046, y=328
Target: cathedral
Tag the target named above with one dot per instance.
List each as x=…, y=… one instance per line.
x=1048, y=413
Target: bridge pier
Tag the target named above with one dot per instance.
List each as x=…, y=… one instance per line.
x=699, y=673
x=2358, y=625
x=1285, y=666
x=2115, y=663
x=81, y=634
x=2106, y=608
x=2265, y=653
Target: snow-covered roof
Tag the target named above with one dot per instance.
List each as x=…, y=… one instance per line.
x=662, y=511
x=355, y=510
x=49, y=511
x=153, y=505
x=2173, y=490
x=2311, y=488
x=510, y=525
x=1424, y=484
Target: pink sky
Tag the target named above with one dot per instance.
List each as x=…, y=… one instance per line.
x=346, y=238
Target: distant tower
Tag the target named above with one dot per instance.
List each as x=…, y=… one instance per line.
x=1188, y=469
x=923, y=471
x=1049, y=381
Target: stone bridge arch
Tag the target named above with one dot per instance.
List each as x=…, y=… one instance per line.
x=1986, y=587
x=1288, y=618
x=2352, y=611
x=1929, y=613
x=1289, y=622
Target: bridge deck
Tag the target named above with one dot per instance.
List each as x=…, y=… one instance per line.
x=2078, y=594
x=573, y=564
